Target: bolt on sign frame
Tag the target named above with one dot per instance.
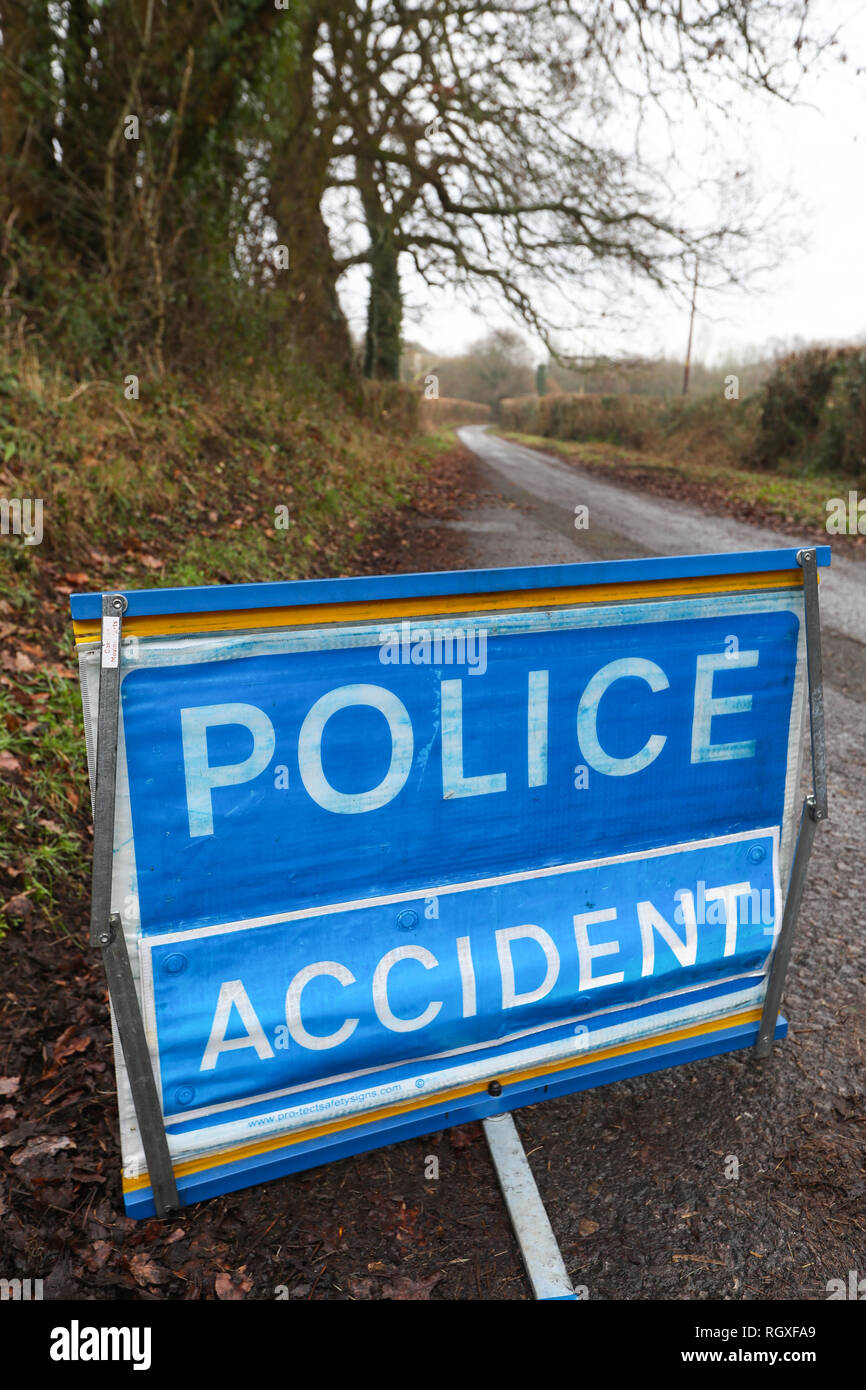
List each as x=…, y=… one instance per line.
x=377, y=856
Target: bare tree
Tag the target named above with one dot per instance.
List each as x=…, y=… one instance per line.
x=514, y=148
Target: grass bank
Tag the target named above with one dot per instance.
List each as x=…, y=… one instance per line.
x=191, y=483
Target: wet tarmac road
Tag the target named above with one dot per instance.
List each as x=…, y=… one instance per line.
x=727, y=1178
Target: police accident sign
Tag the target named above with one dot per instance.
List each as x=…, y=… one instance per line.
x=395, y=853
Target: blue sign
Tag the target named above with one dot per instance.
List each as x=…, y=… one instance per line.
x=387, y=870
x=288, y=760
x=243, y=1014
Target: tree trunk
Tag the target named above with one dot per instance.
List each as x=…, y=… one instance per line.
x=317, y=326
x=28, y=171
x=383, y=346
x=384, y=310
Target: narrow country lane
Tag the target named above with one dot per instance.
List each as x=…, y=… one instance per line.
x=634, y=1175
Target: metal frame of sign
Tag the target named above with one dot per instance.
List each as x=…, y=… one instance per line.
x=814, y=805
x=388, y=598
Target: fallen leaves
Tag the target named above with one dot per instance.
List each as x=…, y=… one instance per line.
x=17, y=1135
x=403, y=1289
x=463, y=1136
x=69, y=1042
x=66, y=1045
x=361, y=1288
x=50, y=825
x=19, y=907
x=232, y=1287
x=96, y=1256
x=45, y=1146
x=59, y=1021
x=86, y=1175
x=147, y=1272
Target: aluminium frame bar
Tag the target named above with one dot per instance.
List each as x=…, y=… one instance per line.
x=106, y=928
x=814, y=807
x=538, y=1245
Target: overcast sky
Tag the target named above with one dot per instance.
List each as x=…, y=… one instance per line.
x=818, y=148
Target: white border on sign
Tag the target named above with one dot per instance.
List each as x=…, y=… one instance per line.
x=138, y=652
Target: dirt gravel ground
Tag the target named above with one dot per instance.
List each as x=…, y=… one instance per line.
x=638, y=1177
x=634, y=1175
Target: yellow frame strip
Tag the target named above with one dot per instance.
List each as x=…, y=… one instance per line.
x=237, y=1155
x=315, y=614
